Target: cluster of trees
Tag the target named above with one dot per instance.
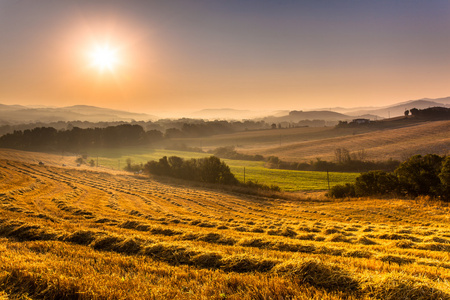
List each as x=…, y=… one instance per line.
x=183, y=147
x=105, y=133
x=210, y=169
x=231, y=153
x=345, y=161
x=50, y=139
x=63, y=125
x=427, y=175
x=441, y=113
x=198, y=128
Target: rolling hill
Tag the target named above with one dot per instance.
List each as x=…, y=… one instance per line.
x=395, y=143
x=228, y=114
x=309, y=143
x=16, y=114
x=399, y=109
x=77, y=234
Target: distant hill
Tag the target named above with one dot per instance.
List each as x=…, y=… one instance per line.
x=15, y=114
x=399, y=109
x=229, y=114
x=325, y=115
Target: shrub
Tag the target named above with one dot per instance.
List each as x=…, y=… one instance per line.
x=375, y=183
x=419, y=175
x=444, y=176
x=342, y=191
x=213, y=170
x=427, y=175
x=260, y=186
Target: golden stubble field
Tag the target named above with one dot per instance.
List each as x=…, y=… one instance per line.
x=309, y=143
x=78, y=234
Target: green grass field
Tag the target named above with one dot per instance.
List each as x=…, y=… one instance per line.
x=287, y=180
x=291, y=180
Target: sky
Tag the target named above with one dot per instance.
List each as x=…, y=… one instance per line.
x=187, y=55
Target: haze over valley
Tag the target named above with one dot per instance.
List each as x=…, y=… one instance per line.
x=210, y=149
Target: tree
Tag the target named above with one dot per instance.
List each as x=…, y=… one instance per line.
x=173, y=133
x=160, y=167
x=376, y=183
x=176, y=164
x=213, y=170
x=342, y=155
x=419, y=175
x=444, y=176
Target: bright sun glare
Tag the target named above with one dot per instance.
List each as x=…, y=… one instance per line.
x=104, y=58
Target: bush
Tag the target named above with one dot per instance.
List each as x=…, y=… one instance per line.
x=427, y=175
x=419, y=175
x=342, y=191
x=231, y=153
x=376, y=183
x=213, y=170
x=261, y=186
x=444, y=176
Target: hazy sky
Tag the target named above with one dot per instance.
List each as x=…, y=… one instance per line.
x=245, y=54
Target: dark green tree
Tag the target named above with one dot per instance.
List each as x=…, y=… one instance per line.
x=444, y=176
x=419, y=175
x=376, y=183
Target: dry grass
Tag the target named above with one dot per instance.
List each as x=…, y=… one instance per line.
x=397, y=143
x=70, y=233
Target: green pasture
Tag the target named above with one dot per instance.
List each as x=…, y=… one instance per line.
x=255, y=171
x=292, y=181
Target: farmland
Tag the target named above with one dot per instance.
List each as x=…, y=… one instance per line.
x=306, y=144
x=82, y=234
x=115, y=159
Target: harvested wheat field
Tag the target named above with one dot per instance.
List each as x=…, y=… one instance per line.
x=382, y=144
x=78, y=234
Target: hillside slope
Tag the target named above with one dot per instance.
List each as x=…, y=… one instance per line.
x=397, y=143
x=71, y=234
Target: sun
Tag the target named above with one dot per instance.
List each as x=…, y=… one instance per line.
x=104, y=58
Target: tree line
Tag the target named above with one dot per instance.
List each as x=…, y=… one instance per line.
x=50, y=139
x=169, y=128
x=345, y=161
x=427, y=175
x=435, y=113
